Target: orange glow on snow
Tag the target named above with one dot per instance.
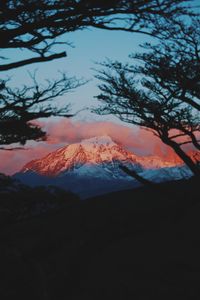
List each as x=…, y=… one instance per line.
x=65, y=131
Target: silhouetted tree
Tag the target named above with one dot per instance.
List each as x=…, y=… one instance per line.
x=161, y=94
x=20, y=106
x=173, y=68
x=35, y=26
x=176, y=62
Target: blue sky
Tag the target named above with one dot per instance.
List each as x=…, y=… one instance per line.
x=90, y=46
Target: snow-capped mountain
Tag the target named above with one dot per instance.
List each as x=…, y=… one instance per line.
x=92, y=155
x=91, y=167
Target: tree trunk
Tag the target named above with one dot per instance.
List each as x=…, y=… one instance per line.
x=185, y=158
x=195, y=142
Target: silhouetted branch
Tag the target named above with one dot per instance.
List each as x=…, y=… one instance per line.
x=136, y=176
x=35, y=26
x=20, y=106
x=36, y=23
x=187, y=142
x=32, y=61
x=166, y=70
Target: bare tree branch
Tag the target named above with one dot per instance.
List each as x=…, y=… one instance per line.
x=155, y=103
x=35, y=26
x=32, y=61
x=27, y=24
x=136, y=176
x=20, y=106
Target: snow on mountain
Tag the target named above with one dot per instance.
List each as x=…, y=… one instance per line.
x=91, y=168
x=92, y=156
x=167, y=174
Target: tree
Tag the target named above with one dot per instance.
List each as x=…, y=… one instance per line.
x=20, y=106
x=36, y=26
x=33, y=25
x=176, y=62
x=159, y=94
x=174, y=67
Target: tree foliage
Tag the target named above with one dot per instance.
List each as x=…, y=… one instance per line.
x=35, y=26
x=20, y=106
x=175, y=63
x=161, y=93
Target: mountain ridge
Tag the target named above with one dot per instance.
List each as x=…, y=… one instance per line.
x=93, y=151
x=91, y=168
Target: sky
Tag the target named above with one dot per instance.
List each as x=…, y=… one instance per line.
x=89, y=46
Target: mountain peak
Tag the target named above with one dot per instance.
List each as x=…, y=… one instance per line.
x=98, y=151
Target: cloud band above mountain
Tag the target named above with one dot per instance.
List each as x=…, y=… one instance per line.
x=66, y=131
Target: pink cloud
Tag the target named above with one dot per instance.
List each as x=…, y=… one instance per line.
x=12, y=161
x=66, y=131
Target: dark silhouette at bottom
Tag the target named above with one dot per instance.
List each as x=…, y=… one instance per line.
x=135, y=244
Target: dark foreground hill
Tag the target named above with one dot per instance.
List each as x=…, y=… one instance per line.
x=19, y=201
x=136, y=244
